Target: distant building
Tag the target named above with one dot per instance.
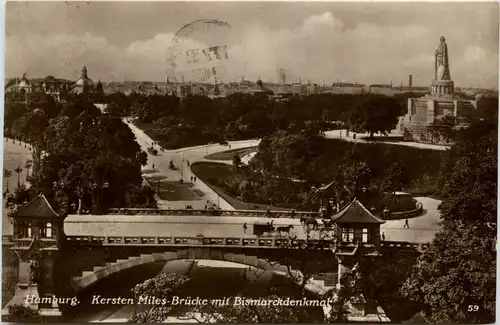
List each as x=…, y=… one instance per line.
x=184, y=90
x=49, y=85
x=52, y=86
x=84, y=85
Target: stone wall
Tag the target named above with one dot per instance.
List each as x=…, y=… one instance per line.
x=423, y=133
x=405, y=214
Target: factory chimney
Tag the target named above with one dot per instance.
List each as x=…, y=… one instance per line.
x=410, y=81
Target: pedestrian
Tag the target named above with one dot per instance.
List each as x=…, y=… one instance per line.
x=205, y=206
x=383, y=236
x=245, y=227
x=194, y=177
x=293, y=213
x=407, y=225
x=191, y=178
x=153, y=166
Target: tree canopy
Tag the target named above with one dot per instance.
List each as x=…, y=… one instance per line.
x=89, y=160
x=375, y=114
x=455, y=279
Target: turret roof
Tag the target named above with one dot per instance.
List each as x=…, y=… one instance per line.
x=39, y=208
x=355, y=212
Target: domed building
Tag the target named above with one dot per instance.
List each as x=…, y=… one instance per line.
x=24, y=84
x=49, y=85
x=84, y=85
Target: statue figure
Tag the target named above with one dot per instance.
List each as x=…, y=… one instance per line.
x=34, y=266
x=442, y=68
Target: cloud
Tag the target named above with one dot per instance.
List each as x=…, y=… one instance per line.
x=482, y=66
x=319, y=48
x=325, y=19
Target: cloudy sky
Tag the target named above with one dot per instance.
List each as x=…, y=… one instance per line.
x=355, y=42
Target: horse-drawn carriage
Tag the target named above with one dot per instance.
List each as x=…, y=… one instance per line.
x=259, y=228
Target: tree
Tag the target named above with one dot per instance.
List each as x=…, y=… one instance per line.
x=353, y=178
x=395, y=178
x=162, y=287
x=442, y=129
x=376, y=114
x=382, y=279
x=454, y=280
x=28, y=164
x=350, y=289
x=22, y=314
x=6, y=175
x=236, y=160
x=99, y=95
x=18, y=170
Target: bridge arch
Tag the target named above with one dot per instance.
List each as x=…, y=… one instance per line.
x=89, y=278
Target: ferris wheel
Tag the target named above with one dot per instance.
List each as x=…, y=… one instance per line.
x=199, y=51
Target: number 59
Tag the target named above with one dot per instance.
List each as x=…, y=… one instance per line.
x=472, y=308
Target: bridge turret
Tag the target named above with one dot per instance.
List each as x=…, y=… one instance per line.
x=358, y=237
x=38, y=230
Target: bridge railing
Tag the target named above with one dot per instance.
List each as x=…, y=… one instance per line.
x=404, y=245
x=210, y=212
x=267, y=242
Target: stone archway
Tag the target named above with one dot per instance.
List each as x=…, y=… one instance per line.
x=101, y=272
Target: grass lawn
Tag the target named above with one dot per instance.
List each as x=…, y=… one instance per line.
x=229, y=154
x=172, y=190
x=225, y=173
x=145, y=126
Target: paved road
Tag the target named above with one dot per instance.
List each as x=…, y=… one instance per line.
x=170, y=226
x=180, y=157
x=341, y=134
x=14, y=155
x=422, y=228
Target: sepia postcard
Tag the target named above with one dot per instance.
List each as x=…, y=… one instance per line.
x=250, y=162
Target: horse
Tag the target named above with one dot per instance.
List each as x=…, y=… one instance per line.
x=284, y=229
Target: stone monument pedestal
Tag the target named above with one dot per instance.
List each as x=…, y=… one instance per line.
x=442, y=88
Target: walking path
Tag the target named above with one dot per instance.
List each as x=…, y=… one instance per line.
x=197, y=192
x=14, y=154
x=361, y=138
x=421, y=229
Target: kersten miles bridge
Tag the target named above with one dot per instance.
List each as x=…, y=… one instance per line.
x=80, y=250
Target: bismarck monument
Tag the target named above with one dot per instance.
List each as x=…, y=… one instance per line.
x=424, y=113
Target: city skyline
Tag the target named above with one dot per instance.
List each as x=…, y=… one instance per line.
x=369, y=43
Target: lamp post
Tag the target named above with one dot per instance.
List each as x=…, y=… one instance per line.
x=100, y=188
